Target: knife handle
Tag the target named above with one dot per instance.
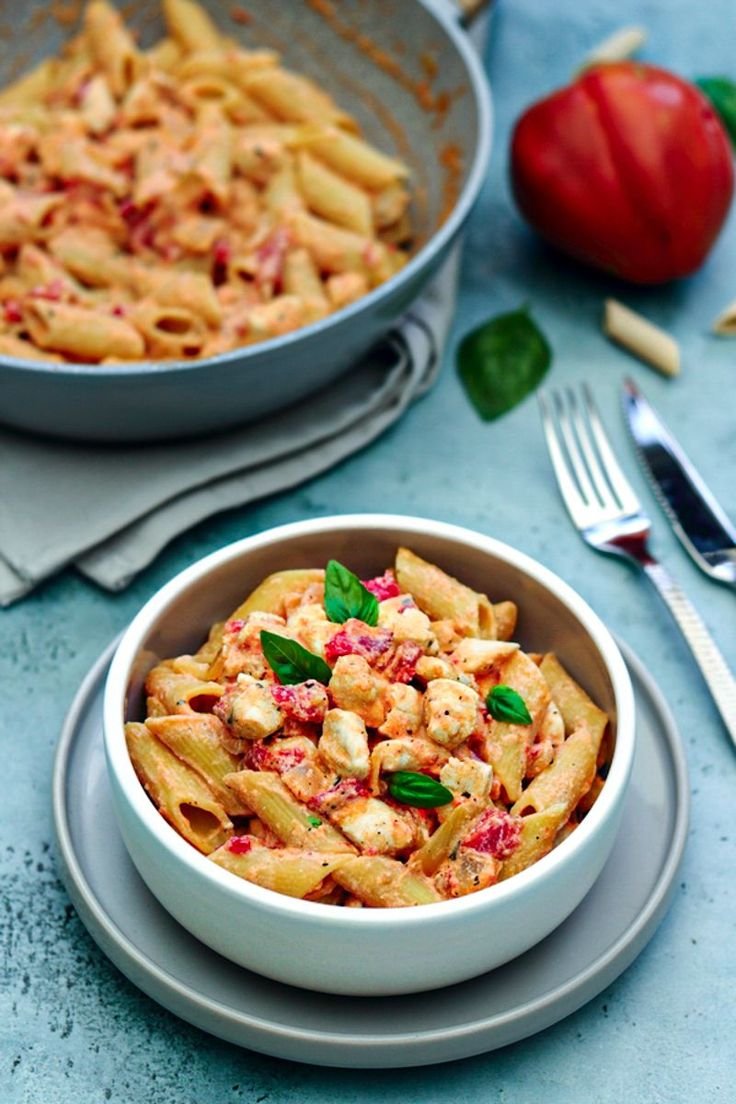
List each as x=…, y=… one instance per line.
x=706, y=652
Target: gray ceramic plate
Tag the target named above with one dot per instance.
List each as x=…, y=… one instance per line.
x=571, y=966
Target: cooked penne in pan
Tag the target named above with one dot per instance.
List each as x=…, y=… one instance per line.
x=202, y=158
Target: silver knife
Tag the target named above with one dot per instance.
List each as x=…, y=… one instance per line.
x=704, y=529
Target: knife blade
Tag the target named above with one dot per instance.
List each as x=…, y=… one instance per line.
x=698, y=520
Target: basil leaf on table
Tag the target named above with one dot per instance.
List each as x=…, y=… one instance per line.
x=413, y=788
x=722, y=94
x=503, y=361
x=506, y=704
x=291, y=662
x=346, y=597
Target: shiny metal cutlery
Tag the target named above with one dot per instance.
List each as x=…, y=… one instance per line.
x=700, y=523
x=609, y=517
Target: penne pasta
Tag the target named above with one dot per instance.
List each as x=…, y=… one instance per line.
x=179, y=793
x=190, y=26
x=286, y=870
x=331, y=196
x=352, y=157
x=80, y=333
x=197, y=741
x=641, y=337
x=287, y=818
x=111, y=46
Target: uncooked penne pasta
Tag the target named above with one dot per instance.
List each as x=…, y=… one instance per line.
x=725, y=323
x=641, y=337
x=179, y=793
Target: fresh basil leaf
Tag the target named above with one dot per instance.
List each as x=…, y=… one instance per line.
x=503, y=361
x=314, y=821
x=291, y=662
x=412, y=788
x=346, y=597
x=722, y=94
x=506, y=704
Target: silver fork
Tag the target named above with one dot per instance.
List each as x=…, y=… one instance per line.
x=608, y=515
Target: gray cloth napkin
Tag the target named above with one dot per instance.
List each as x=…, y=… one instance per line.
x=110, y=510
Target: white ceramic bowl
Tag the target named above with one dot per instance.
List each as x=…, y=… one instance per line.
x=366, y=951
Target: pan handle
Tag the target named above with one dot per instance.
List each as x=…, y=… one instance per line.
x=469, y=10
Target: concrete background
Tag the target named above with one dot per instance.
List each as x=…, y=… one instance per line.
x=72, y=1029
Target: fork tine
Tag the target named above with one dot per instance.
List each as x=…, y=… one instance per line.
x=597, y=475
x=571, y=445
x=619, y=483
x=570, y=494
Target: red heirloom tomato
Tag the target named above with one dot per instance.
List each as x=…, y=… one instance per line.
x=628, y=169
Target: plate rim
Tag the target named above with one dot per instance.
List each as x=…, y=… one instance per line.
x=568, y=996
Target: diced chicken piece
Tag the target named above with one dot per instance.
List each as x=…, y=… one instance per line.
x=447, y=634
x=406, y=621
x=435, y=667
x=249, y=712
x=305, y=702
x=450, y=712
x=309, y=624
x=477, y=656
x=296, y=760
x=468, y=872
x=355, y=687
x=374, y=826
x=241, y=646
x=343, y=744
x=412, y=754
x=404, y=711
x=467, y=777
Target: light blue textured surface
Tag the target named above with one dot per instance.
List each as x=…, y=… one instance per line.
x=73, y=1030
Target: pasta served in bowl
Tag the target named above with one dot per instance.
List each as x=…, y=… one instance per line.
x=339, y=761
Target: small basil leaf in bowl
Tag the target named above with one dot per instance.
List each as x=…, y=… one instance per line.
x=506, y=704
x=292, y=663
x=413, y=788
x=346, y=597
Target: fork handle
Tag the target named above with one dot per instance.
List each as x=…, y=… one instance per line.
x=706, y=652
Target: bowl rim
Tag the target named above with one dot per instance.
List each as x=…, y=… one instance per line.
x=441, y=237
x=269, y=901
